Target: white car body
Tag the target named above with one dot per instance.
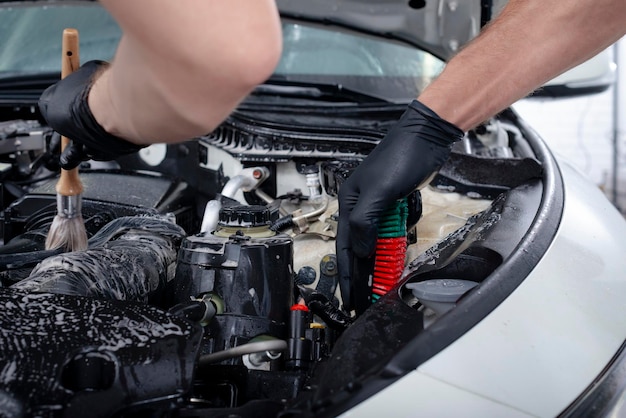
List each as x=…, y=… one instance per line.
x=194, y=300
x=540, y=349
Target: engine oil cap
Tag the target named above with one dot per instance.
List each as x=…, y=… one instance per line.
x=441, y=290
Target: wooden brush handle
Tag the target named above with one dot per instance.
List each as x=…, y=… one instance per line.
x=69, y=183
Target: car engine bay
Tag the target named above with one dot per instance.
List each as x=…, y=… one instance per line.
x=210, y=285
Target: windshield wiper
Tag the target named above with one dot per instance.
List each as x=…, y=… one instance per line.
x=25, y=88
x=315, y=90
x=10, y=79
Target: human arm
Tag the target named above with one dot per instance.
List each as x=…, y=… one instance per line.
x=530, y=43
x=179, y=70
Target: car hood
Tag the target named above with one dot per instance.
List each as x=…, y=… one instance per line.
x=438, y=26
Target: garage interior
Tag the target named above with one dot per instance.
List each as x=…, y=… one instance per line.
x=589, y=131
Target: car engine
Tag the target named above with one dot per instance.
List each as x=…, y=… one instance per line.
x=210, y=285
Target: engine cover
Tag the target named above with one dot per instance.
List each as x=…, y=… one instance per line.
x=74, y=356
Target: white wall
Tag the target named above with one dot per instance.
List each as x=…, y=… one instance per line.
x=582, y=130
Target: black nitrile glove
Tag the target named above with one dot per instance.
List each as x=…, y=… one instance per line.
x=64, y=107
x=415, y=147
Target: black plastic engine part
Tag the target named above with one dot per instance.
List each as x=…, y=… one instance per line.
x=329, y=276
x=68, y=356
x=323, y=307
x=486, y=177
x=335, y=173
x=132, y=258
x=305, y=276
x=253, y=277
x=225, y=391
x=250, y=216
x=300, y=348
x=251, y=139
x=113, y=193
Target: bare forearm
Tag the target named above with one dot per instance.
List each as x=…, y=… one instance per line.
x=179, y=71
x=531, y=42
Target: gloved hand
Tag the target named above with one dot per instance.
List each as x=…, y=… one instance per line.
x=64, y=107
x=415, y=147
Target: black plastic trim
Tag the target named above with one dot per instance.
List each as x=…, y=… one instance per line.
x=604, y=393
x=563, y=91
x=486, y=7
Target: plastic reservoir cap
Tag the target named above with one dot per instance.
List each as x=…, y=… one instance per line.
x=245, y=216
x=440, y=294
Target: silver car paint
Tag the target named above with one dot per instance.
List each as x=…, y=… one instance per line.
x=545, y=344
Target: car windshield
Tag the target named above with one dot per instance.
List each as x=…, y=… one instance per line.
x=31, y=35
x=324, y=54
x=371, y=65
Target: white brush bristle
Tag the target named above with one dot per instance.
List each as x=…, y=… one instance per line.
x=67, y=233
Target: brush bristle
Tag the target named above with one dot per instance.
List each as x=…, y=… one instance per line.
x=67, y=233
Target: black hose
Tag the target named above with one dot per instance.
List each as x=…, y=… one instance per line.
x=194, y=310
x=323, y=307
x=282, y=223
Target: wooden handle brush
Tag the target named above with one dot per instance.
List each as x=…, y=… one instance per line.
x=68, y=229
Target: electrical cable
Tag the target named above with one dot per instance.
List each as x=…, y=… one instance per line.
x=241, y=350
